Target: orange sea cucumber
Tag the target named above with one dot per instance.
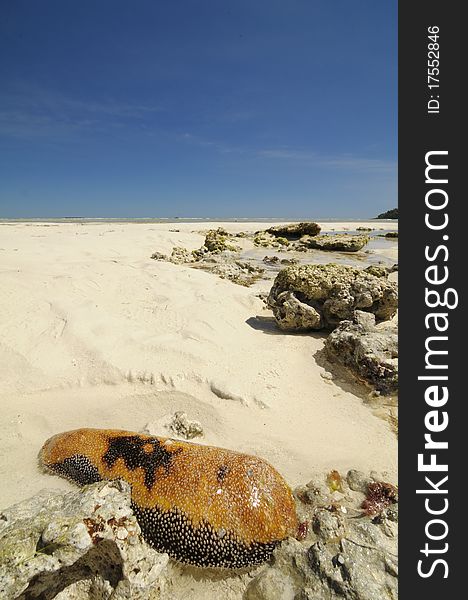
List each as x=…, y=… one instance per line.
x=203, y=505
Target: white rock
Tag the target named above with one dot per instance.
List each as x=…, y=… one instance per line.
x=53, y=541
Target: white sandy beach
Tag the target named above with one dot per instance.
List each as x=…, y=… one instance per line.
x=96, y=334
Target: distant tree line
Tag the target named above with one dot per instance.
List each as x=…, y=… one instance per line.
x=389, y=214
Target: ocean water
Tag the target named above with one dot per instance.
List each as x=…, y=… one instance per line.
x=79, y=219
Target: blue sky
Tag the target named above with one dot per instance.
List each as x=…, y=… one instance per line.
x=198, y=108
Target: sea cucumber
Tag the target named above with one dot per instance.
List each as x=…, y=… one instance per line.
x=203, y=505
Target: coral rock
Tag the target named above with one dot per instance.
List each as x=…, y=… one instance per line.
x=339, y=242
x=308, y=297
x=295, y=230
x=370, y=352
x=81, y=544
x=216, y=240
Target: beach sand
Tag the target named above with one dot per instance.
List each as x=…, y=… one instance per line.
x=96, y=334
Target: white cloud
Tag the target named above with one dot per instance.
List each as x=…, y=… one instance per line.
x=35, y=112
x=312, y=159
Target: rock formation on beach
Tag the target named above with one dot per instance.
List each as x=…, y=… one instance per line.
x=275, y=260
x=133, y=342
x=221, y=256
x=370, y=352
x=313, y=297
x=179, y=256
x=268, y=240
x=339, y=243
x=294, y=231
x=341, y=556
x=216, y=240
x=177, y=425
x=380, y=271
x=87, y=544
x=79, y=544
x=218, y=256
x=305, y=236
x=241, y=272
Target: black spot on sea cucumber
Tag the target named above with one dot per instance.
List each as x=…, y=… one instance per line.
x=135, y=453
x=222, y=472
x=77, y=468
x=172, y=531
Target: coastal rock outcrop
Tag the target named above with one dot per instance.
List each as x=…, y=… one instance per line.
x=341, y=557
x=378, y=270
x=285, y=237
x=294, y=231
x=341, y=242
x=87, y=544
x=216, y=256
x=275, y=260
x=305, y=236
x=217, y=240
x=79, y=544
x=313, y=297
x=268, y=240
x=179, y=256
x=370, y=352
x=241, y=272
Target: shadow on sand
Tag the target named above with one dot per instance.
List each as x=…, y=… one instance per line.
x=268, y=325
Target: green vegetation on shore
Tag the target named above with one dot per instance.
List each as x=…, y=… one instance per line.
x=389, y=214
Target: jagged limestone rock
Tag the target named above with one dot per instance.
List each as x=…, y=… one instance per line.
x=378, y=270
x=362, y=565
x=159, y=256
x=216, y=240
x=240, y=272
x=328, y=525
x=358, y=481
x=295, y=230
x=368, y=351
x=185, y=428
x=268, y=240
x=341, y=558
x=80, y=544
x=175, y=425
x=292, y=314
x=271, y=584
x=271, y=260
x=86, y=544
x=309, y=297
x=339, y=242
x=216, y=256
x=179, y=256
